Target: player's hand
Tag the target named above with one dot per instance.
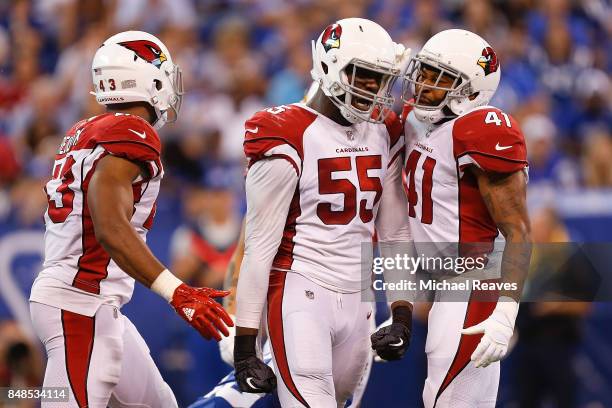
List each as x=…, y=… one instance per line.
x=226, y=346
x=391, y=341
x=198, y=308
x=377, y=358
x=252, y=375
x=497, y=331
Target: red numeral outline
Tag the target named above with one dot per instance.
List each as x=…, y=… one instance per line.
x=59, y=214
x=366, y=183
x=328, y=185
x=426, y=186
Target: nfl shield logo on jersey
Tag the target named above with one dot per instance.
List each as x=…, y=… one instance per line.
x=309, y=294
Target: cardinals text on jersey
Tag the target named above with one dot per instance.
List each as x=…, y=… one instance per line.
x=341, y=172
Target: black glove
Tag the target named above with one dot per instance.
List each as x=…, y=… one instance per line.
x=252, y=375
x=391, y=342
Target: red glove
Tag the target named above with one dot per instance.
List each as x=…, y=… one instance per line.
x=201, y=311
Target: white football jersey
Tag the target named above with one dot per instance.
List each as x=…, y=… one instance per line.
x=444, y=203
x=341, y=172
x=77, y=272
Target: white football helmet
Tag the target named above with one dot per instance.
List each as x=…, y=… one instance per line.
x=351, y=44
x=462, y=55
x=134, y=66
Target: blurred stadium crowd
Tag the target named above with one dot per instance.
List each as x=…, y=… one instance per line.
x=239, y=56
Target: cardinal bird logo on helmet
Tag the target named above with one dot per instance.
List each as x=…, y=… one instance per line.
x=488, y=61
x=331, y=37
x=147, y=50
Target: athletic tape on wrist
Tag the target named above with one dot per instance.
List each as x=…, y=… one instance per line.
x=165, y=284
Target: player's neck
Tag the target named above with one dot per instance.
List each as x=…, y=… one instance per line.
x=136, y=110
x=322, y=104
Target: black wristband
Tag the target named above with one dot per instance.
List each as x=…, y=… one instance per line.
x=244, y=346
x=402, y=315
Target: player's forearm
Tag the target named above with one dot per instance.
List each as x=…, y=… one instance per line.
x=110, y=199
x=516, y=258
x=129, y=251
x=250, y=302
x=252, y=289
x=231, y=275
x=506, y=199
x=517, y=251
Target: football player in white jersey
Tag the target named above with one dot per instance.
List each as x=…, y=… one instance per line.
x=314, y=194
x=102, y=196
x=465, y=177
x=227, y=390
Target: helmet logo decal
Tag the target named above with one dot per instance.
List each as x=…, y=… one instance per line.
x=147, y=50
x=331, y=37
x=488, y=61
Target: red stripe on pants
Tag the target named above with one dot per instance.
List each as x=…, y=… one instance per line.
x=275, y=329
x=477, y=312
x=78, y=346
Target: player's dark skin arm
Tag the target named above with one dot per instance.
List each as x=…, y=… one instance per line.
x=246, y=331
x=505, y=196
x=111, y=203
x=401, y=303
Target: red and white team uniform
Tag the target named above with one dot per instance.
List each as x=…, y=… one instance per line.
x=445, y=206
x=72, y=254
x=75, y=300
x=322, y=185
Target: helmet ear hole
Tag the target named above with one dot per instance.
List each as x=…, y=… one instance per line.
x=158, y=84
x=135, y=57
x=324, y=66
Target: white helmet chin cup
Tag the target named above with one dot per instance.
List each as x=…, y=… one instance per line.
x=428, y=116
x=465, y=58
x=459, y=106
x=350, y=45
x=135, y=66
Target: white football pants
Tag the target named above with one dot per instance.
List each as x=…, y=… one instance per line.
x=320, y=342
x=102, y=360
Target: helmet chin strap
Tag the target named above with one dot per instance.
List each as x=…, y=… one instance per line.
x=160, y=117
x=348, y=115
x=344, y=110
x=161, y=120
